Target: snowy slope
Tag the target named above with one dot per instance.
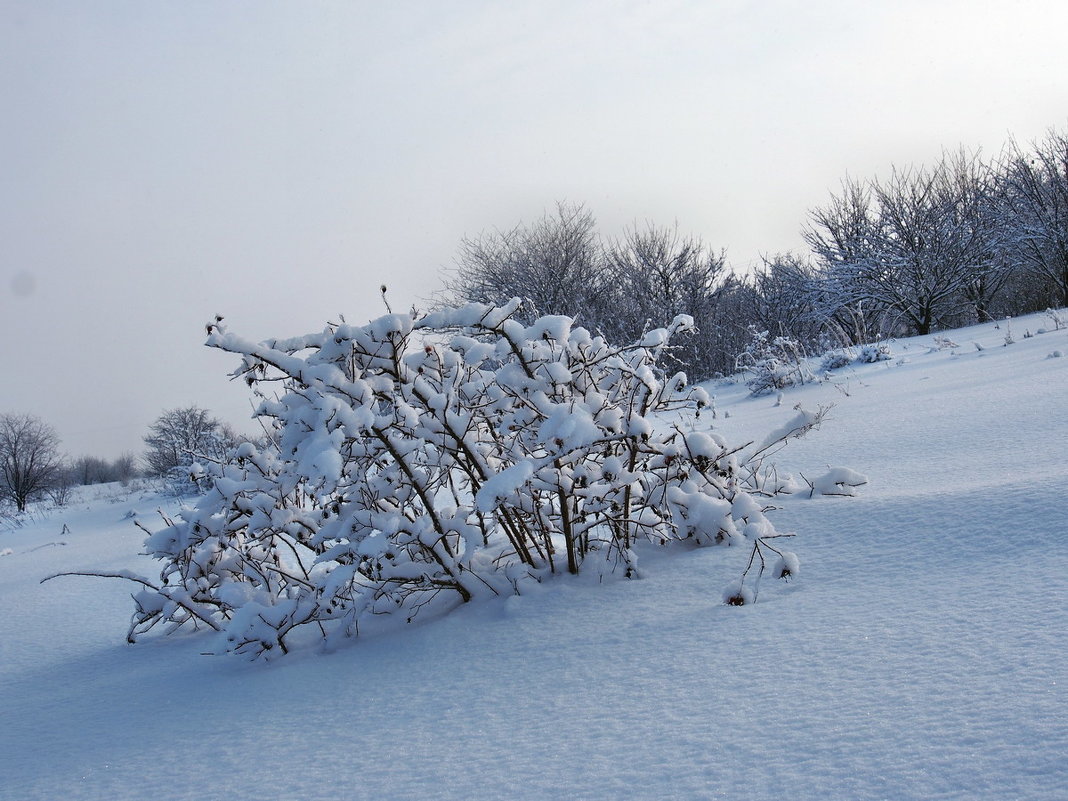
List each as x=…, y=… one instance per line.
x=920, y=654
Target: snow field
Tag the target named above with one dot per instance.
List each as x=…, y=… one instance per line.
x=919, y=654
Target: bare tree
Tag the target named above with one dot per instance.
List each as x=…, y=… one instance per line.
x=1034, y=191
x=86, y=470
x=180, y=436
x=784, y=292
x=29, y=458
x=554, y=264
x=843, y=237
x=970, y=229
x=919, y=245
x=844, y=231
x=124, y=467
x=654, y=274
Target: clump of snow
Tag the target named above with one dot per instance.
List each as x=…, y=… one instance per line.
x=797, y=426
x=786, y=566
x=838, y=481
x=877, y=352
x=737, y=593
x=503, y=484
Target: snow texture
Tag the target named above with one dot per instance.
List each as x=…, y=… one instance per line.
x=919, y=655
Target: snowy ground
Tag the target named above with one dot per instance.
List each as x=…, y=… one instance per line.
x=921, y=653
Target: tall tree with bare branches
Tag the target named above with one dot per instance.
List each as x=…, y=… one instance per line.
x=1034, y=190
x=553, y=264
x=29, y=458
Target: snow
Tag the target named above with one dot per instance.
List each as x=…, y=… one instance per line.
x=838, y=481
x=500, y=485
x=920, y=654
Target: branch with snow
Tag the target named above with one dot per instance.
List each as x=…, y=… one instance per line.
x=420, y=462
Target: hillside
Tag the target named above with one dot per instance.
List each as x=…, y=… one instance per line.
x=920, y=653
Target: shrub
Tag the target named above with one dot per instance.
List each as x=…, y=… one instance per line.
x=421, y=462
x=834, y=360
x=772, y=364
x=876, y=352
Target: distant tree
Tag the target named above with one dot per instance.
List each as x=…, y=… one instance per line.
x=559, y=265
x=86, y=470
x=1034, y=193
x=124, y=468
x=784, y=293
x=843, y=238
x=971, y=222
x=61, y=488
x=919, y=245
x=29, y=458
x=654, y=274
x=179, y=437
x=1024, y=292
x=554, y=264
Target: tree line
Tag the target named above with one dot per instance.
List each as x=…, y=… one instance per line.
x=32, y=465
x=619, y=288
x=927, y=248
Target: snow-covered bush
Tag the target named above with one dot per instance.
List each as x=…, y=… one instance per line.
x=874, y=352
x=772, y=363
x=1009, y=338
x=418, y=462
x=835, y=360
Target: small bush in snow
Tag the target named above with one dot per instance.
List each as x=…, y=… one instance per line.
x=834, y=360
x=418, y=462
x=772, y=363
x=1009, y=338
x=875, y=352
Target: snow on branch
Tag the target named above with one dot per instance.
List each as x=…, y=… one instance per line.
x=419, y=462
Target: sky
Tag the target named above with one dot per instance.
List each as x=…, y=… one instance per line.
x=276, y=162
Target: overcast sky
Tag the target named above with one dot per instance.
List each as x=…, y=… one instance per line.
x=275, y=162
